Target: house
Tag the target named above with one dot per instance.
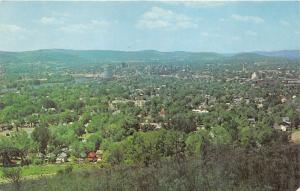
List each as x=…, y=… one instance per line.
x=259, y=99
x=237, y=100
x=283, y=99
x=280, y=127
x=99, y=154
x=61, y=158
x=260, y=105
x=92, y=156
x=200, y=127
x=151, y=126
x=283, y=127
x=286, y=121
x=254, y=76
x=162, y=112
x=252, y=120
x=285, y=124
x=200, y=110
x=139, y=103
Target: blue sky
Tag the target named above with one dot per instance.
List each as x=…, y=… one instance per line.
x=223, y=27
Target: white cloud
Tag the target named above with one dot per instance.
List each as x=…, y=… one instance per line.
x=206, y=34
x=284, y=23
x=166, y=19
x=47, y=20
x=88, y=26
x=53, y=20
x=222, y=19
x=196, y=4
x=9, y=28
x=204, y=3
x=250, y=33
x=253, y=19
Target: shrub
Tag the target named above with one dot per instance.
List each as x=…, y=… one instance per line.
x=37, y=161
x=68, y=169
x=14, y=175
x=60, y=172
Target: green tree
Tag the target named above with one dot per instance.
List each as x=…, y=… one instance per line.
x=220, y=135
x=23, y=144
x=42, y=136
x=194, y=141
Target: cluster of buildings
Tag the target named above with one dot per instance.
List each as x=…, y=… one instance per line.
x=107, y=74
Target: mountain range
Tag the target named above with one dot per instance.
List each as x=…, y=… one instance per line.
x=95, y=56
x=291, y=54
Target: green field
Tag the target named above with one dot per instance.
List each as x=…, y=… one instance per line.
x=38, y=171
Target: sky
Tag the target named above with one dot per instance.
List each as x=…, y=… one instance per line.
x=213, y=26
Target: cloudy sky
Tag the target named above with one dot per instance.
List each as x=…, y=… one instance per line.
x=166, y=26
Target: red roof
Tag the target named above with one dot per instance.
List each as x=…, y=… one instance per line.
x=91, y=155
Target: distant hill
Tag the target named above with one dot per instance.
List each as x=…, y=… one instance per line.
x=95, y=56
x=107, y=56
x=291, y=54
x=249, y=55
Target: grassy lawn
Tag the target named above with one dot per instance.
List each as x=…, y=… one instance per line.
x=49, y=169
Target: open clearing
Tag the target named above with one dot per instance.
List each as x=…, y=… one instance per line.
x=296, y=137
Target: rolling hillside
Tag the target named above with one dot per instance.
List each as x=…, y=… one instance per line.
x=100, y=56
x=291, y=54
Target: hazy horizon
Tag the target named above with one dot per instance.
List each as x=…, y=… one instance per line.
x=141, y=50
